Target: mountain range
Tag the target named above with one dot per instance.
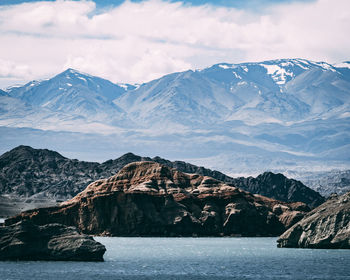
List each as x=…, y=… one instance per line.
x=151, y=199
x=286, y=115
x=32, y=175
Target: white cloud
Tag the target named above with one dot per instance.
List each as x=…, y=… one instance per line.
x=136, y=42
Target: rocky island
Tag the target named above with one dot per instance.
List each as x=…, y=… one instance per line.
x=32, y=178
x=325, y=227
x=151, y=199
x=27, y=241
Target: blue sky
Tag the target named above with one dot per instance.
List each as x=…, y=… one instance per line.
x=241, y=4
x=137, y=41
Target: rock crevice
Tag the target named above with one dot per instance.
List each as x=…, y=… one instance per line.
x=150, y=199
x=327, y=226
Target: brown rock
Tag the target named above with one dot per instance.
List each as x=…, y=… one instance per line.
x=150, y=199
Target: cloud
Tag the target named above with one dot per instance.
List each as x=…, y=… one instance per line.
x=8, y=69
x=136, y=42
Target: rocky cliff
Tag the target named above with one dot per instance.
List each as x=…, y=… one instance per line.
x=327, y=226
x=36, y=174
x=151, y=199
x=279, y=187
x=27, y=241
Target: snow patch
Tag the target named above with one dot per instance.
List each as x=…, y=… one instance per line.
x=343, y=65
x=326, y=66
x=285, y=64
x=278, y=74
x=236, y=75
x=345, y=115
x=225, y=66
x=81, y=78
x=124, y=86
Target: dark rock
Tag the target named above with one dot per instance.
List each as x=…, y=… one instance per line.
x=27, y=241
x=150, y=199
x=279, y=187
x=37, y=174
x=327, y=226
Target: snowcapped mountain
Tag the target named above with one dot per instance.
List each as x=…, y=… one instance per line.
x=71, y=97
x=238, y=118
x=280, y=91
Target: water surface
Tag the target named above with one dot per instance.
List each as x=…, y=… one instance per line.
x=192, y=258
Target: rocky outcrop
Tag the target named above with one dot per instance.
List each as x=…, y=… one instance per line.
x=27, y=241
x=280, y=187
x=327, y=226
x=150, y=199
x=43, y=174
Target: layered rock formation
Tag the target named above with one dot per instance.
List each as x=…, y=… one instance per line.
x=150, y=199
x=34, y=175
x=327, y=226
x=27, y=241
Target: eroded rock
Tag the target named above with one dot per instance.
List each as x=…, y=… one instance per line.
x=327, y=226
x=150, y=199
x=27, y=241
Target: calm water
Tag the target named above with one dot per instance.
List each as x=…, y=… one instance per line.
x=192, y=258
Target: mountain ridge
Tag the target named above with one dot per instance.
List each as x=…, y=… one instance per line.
x=150, y=199
x=31, y=173
x=279, y=115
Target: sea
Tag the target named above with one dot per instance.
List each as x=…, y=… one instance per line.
x=191, y=258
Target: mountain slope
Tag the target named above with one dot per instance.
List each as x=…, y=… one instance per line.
x=76, y=95
x=329, y=182
x=283, y=115
x=151, y=199
x=280, y=91
x=28, y=172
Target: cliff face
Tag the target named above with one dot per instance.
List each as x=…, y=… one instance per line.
x=327, y=226
x=28, y=172
x=150, y=199
x=34, y=173
x=54, y=242
x=280, y=187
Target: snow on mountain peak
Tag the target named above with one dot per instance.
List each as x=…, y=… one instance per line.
x=278, y=74
x=325, y=66
x=227, y=66
x=345, y=64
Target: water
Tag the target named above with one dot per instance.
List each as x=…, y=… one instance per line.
x=191, y=258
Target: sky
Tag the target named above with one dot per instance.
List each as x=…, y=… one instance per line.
x=137, y=41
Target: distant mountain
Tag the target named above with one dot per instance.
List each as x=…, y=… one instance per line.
x=36, y=173
x=326, y=183
x=73, y=95
x=284, y=115
x=278, y=185
x=278, y=91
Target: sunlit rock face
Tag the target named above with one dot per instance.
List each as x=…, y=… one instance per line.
x=327, y=226
x=151, y=199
